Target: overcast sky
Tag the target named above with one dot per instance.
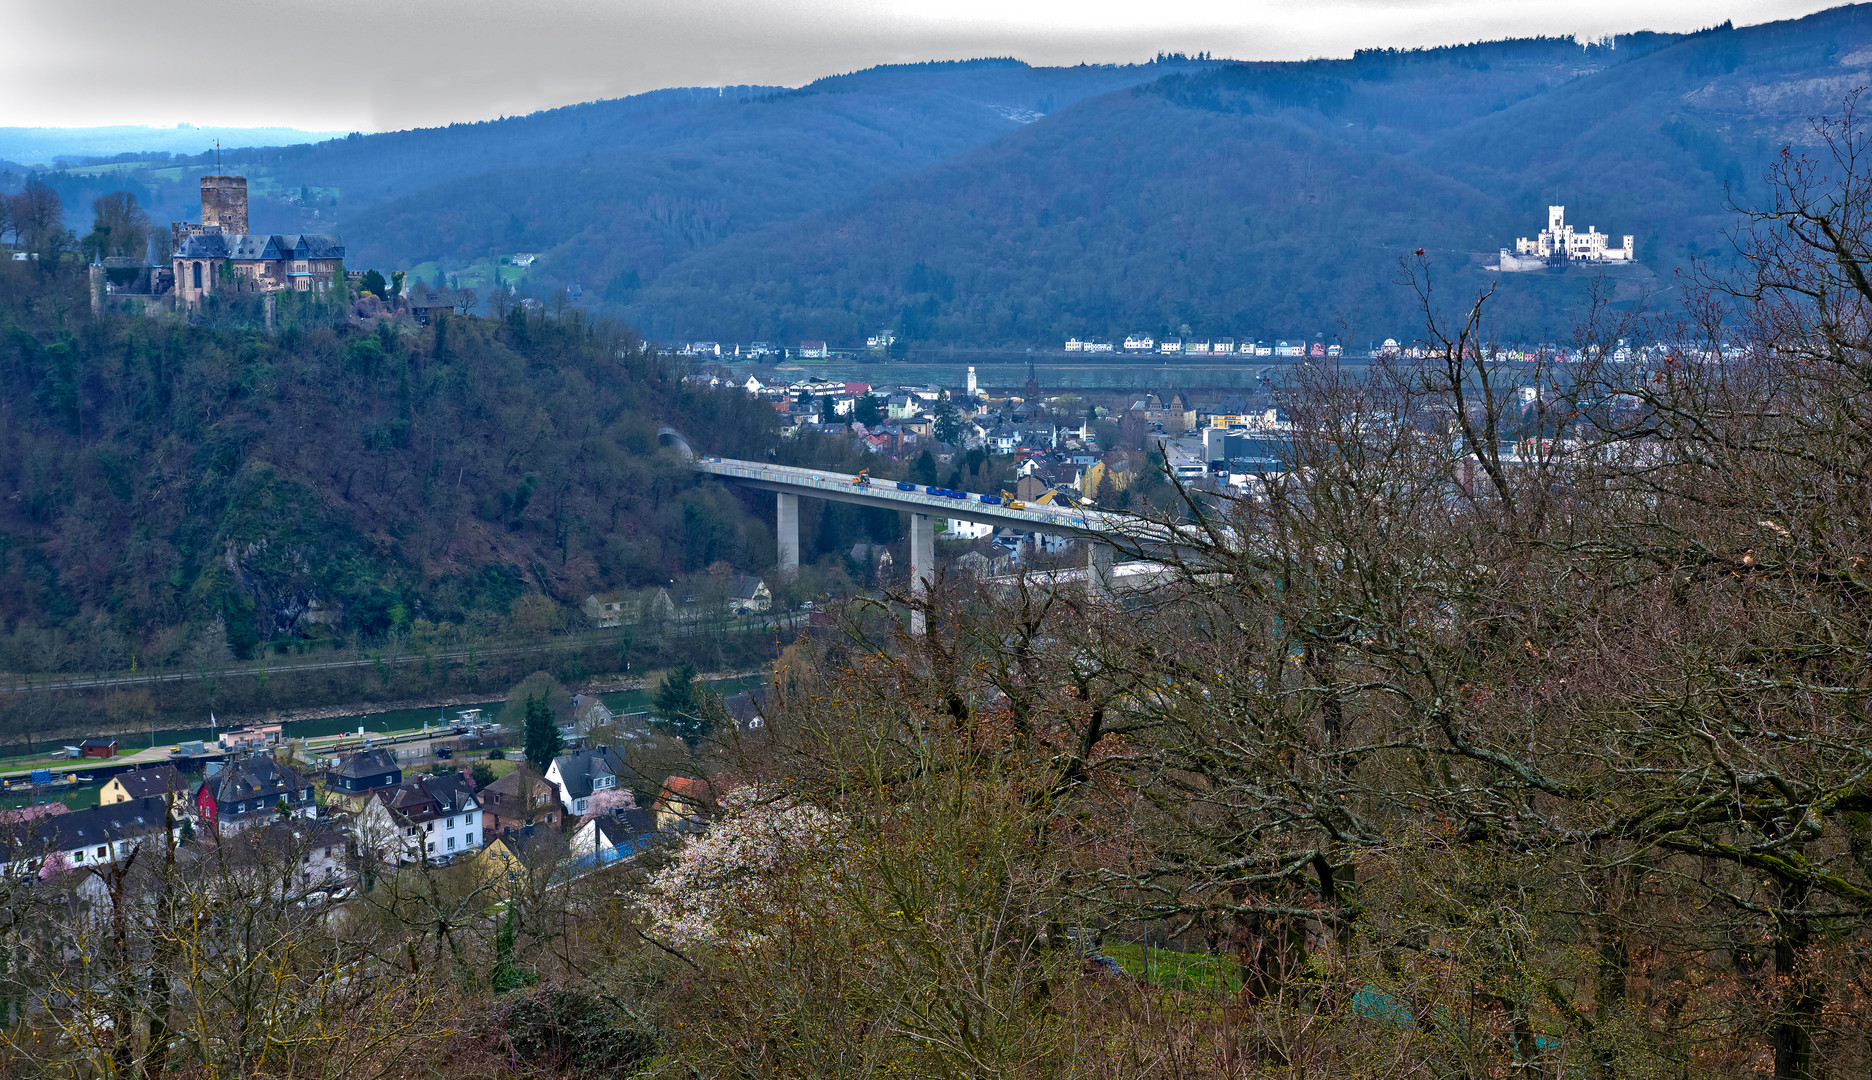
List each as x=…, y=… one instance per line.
x=376, y=66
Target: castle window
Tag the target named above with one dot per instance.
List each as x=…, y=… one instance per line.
x=198, y=275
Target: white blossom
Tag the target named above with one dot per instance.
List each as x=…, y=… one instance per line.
x=731, y=883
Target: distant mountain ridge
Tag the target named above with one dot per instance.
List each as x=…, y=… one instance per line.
x=1273, y=200
x=990, y=202
x=43, y=146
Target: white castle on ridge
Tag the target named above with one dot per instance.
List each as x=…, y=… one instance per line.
x=1558, y=244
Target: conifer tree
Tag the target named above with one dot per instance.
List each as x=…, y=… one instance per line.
x=543, y=741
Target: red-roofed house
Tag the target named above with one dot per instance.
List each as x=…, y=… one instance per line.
x=683, y=799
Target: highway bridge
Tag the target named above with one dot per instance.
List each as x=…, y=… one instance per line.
x=924, y=504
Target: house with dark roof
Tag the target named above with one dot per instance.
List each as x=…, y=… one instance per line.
x=609, y=837
x=508, y=861
x=427, y=818
x=163, y=780
x=291, y=858
x=583, y=773
x=250, y=791
x=749, y=595
x=97, y=836
x=518, y=800
x=745, y=710
x=364, y=772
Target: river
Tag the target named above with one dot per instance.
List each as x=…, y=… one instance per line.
x=1056, y=373
x=619, y=701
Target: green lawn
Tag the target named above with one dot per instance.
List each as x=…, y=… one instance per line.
x=43, y=760
x=108, y=168
x=1197, y=972
x=482, y=274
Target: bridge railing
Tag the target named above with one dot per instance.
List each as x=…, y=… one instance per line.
x=827, y=481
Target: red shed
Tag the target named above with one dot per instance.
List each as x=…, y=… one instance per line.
x=98, y=748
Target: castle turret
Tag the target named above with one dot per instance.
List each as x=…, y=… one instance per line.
x=224, y=202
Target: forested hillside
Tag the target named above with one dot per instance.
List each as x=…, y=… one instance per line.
x=990, y=202
x=609, y=193
x=172, y=486
x=1275, y=199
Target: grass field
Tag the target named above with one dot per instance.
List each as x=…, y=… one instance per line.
x=1197, y=972
x=482, y=274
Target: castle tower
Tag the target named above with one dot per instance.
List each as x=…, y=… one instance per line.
x=224, y=202
x=1556, y=217
x=973, y=389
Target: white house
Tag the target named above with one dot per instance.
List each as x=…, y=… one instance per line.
x=584, y=773
x=606, y=838
x=97, y=835
x=430, y=817
x=751, y=595
x=1139, y=343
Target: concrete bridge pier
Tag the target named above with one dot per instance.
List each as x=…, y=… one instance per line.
x=786, y=532
x=922, y=564
x=1098, y=570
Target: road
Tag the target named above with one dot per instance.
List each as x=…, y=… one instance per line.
x=916, y=498
x=1127, y=532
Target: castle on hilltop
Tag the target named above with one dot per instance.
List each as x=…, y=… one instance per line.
x=218, y=253
x=1558, y=245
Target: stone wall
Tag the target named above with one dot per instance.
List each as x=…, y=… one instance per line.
x=224, y=202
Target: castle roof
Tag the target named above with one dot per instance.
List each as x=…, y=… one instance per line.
x=262, y=246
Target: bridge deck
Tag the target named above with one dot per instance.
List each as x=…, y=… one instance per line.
x=820, y=483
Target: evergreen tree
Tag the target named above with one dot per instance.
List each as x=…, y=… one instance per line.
x=948, y=421
x=681, y=703
x=923, y=469
x=543, y=742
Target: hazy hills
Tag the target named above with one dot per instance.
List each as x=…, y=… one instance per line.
x=1270, y=200
x=45, y=146
x=993, y=202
